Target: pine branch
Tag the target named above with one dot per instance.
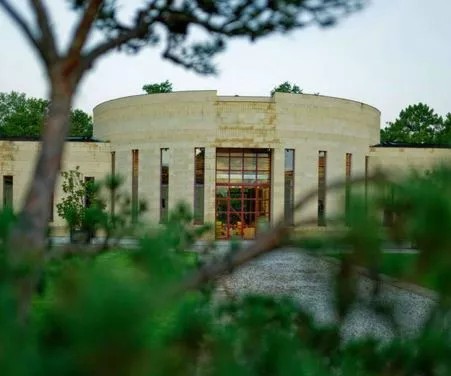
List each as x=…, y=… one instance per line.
x=264, y=243
x=23, y=25
x=84, y=28
x=47, y=38
x=249, y=18
x=89, y=58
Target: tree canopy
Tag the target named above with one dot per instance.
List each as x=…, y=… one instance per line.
x=162, y=87
x=286, y=87
x=23, y=116
x=418, y=124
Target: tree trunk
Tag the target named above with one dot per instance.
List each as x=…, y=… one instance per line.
x=31, y=229
x=29, y=236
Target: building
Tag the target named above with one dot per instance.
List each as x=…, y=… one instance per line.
x=237, y=161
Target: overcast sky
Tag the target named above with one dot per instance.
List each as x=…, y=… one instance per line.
x=392, y=54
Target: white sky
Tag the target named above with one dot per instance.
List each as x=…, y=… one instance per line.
x=392, y=54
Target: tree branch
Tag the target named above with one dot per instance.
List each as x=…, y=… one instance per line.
x=47, y=39
x=102, y=48
x=83, y=29
x=246, y=18
x=15, y=16
x=264, y=243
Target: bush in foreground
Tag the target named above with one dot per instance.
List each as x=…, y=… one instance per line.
x=153, y=311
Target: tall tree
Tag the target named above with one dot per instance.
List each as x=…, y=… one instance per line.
x=80, y=124
x=417, y=123
x=23, y=116
x=286, y=87
x=166, y=22
x=444, y=137
x=162, y=87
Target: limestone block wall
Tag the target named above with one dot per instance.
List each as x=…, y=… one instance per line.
x=398, y=161
x=18, y=158
x=310, y=123
x=182, y=121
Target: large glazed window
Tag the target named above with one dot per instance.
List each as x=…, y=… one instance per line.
x=289, y=187
x=243, y=187
x=322, y=166
x=164, y=184
x=199, y=184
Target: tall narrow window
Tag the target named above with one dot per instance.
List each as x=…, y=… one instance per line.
x=135, y=176
x=89, y=184
x=366, y=177
x=289, y=187
x=52, y=204
x=199, y=184
x=348, y=167
x=164, y=184
x=113, y=176
x=322, y=164
x=8, y=191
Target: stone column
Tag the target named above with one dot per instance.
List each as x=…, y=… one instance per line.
x=277, y=186
x=149, y=182
x=210, y=185
x=124, y=169
x=181, y=175
x=306, y=179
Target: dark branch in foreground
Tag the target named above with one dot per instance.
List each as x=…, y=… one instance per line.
x=264, y=243
x=84, y=27
x=47, y=40
x=23, y=25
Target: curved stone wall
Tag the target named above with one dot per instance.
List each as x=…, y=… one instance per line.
x=182, y=121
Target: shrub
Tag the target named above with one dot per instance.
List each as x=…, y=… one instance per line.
x=152, y=311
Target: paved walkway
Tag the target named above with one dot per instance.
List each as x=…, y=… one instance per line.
x=309, y=280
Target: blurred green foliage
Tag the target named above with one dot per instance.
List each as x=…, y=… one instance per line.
x=22, y=116
x=418, y=124
x=115, y=313
x=157, y=88
x=85, y=210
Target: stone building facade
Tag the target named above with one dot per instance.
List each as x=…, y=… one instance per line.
x=237, y=161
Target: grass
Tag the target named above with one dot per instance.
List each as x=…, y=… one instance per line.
x=401, y=266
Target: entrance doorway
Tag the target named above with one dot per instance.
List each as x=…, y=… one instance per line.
x=243, y=191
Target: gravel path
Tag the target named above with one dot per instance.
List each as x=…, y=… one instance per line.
x=309, y=280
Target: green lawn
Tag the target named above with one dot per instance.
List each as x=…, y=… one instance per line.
x=400, y=265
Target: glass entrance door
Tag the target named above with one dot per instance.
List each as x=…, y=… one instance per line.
x=242, y=191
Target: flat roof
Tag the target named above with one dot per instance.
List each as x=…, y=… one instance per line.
x=36, y=138
x=411, y=145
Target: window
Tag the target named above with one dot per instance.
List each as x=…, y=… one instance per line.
x=199, y=184
x=113, y=175
x=89, y=184
x=135, y=176
x=243, y=191
x=8, y=191
x=348, y=168
x=164, y=184
x=366, y=178
x=289, y=187
x=322, y=164
x=52, y=204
